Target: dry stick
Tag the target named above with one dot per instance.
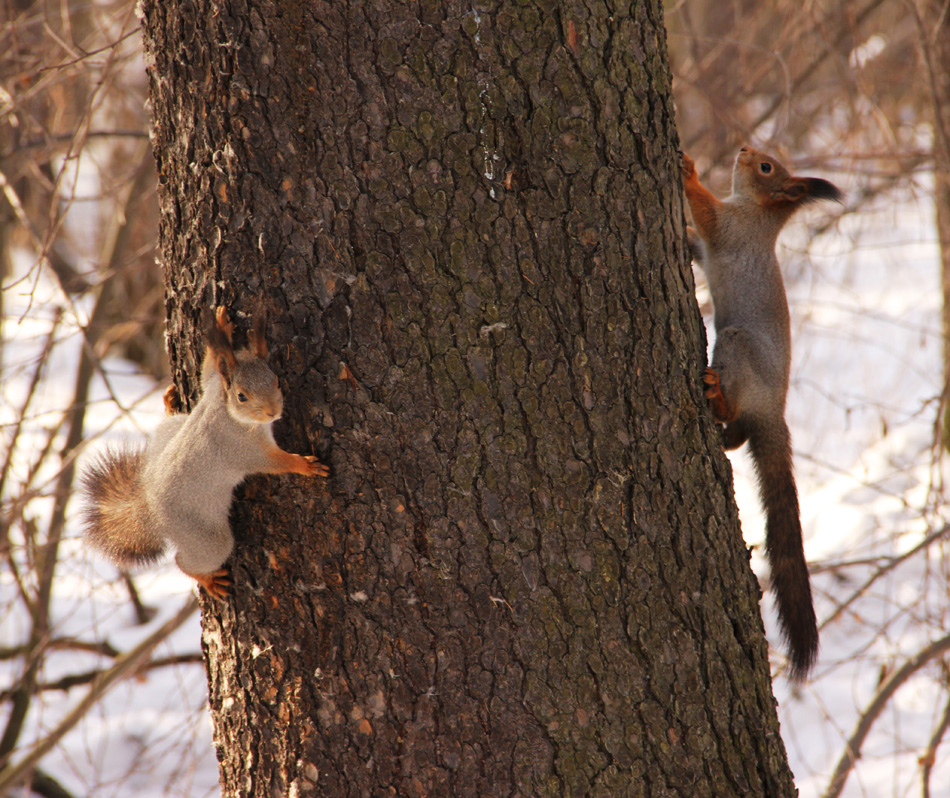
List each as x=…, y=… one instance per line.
x=113, y=251
x=909, y=164
x=852, y=751
x=935, y=65
x=77, y=679
x=927, y=40
x=16, y=510
x=45, y=569
x=102, y=648
x=930, y=755
x=126, y=665
x=143, y=614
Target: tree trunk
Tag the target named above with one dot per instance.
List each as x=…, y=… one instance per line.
x=524, y=575
x=934, y=28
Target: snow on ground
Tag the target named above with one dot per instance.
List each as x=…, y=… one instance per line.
x=865, y=301
x=150, y=736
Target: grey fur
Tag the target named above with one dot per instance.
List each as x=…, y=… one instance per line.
x=179, y=488
x=735, y=246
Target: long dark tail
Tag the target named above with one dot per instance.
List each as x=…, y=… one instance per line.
x=771, y=448
x=116, y=515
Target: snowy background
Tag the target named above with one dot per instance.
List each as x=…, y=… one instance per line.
x=865, y=302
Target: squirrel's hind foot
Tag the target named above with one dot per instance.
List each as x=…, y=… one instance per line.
x=712, y=390
x=217, y=583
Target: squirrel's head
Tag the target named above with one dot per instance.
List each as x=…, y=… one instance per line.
x=251, y=390
x=764, y=180
x=252, y=395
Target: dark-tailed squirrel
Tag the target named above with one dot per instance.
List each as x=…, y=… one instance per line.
x=747, y=382
x=178, y=489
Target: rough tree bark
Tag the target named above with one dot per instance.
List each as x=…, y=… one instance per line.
x=524, y=575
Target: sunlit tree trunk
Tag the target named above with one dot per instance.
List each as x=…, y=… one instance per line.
x=934, y=28
x=524, y=575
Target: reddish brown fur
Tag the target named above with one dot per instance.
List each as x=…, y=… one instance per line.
x=746, y=385
x=114, y=500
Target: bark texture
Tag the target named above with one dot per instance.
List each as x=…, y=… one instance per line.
x=524, y=575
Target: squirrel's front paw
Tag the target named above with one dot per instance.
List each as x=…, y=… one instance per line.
x=172, y=399
x=687, y=166
x=314, y=467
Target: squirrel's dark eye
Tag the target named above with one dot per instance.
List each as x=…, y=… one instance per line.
x=765, y=168
x=241, y=397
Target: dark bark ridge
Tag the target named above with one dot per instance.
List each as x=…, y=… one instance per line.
x=459, y=221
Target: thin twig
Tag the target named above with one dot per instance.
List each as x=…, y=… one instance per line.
x=891, y=565
x=77, y=679
x=41, y=363
x=102, y=648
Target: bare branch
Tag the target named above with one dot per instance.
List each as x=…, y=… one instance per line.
x=13, y=775
x=884, y=569
x=77, y=679
x=852, y=751
x=930, y=755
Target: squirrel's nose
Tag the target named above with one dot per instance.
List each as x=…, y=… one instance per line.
x=743, y=148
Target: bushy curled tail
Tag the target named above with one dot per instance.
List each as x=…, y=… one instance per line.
x=771, y=448
x=116, y=515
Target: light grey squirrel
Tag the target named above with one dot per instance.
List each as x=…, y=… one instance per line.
x=747, y=382
x=178, y=489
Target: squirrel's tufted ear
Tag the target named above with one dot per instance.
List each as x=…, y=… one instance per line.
x=792, y=190
x=802, y=190
x=257, y=341
x=224, y=366
x=219, y=344
x=819, y=189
